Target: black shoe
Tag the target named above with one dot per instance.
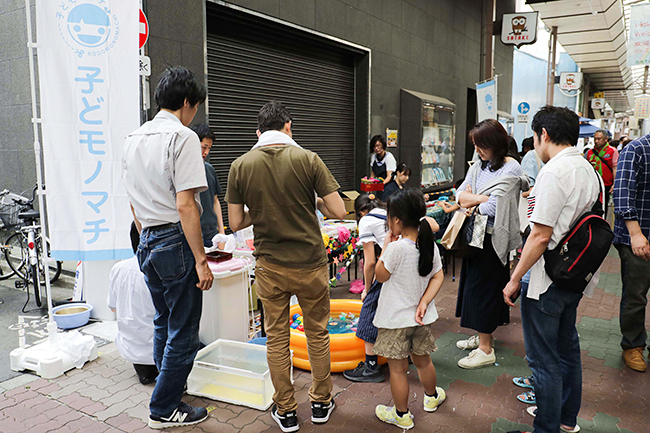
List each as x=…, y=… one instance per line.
x=288, y=422
x=182, y=415
x=146, y=373
x=364, y=374
x=320, y=412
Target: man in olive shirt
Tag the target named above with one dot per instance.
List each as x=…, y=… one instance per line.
x=279, y=182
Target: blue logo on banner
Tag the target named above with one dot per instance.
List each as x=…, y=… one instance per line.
x=489, y=101
x=89, y=25
x=523, y=107
x=88, y=28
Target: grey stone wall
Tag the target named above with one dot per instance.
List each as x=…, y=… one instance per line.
x=17, y=164
x=176, y=37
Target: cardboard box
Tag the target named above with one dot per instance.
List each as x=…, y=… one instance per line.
x=348, y=198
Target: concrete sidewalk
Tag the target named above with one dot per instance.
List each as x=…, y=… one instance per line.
x=105, y=396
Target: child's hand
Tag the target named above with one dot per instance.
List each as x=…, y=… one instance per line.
x=389, y=238
x=363, y=295
x=420, y=312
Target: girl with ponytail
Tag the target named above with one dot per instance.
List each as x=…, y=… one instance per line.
x=411, y=270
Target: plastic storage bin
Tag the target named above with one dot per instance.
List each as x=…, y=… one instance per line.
x=225, y=305
x=233, y=372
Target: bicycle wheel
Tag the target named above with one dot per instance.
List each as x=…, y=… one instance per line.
x=33, y=270
x=55, y=267
x=16, y=254
x=5, y=270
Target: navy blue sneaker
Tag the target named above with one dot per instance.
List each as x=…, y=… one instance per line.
x=182, y=415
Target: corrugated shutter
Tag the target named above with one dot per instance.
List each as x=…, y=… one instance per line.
x=251, y=63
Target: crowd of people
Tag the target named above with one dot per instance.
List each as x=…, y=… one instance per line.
x=277, y=186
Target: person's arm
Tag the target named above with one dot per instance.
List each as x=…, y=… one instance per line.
x=381, y=273
x=191, y=223
x=639, y=243
x=389, y=177
x=470, y=200
x=238, y=217
x=138, y=225
x=448, y=208
x=433, y=223
x=217, y=211
x=536, y=244
x=432, y=290
x=369, y=262
x=331, y=206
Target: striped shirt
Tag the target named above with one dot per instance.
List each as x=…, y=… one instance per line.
x=632, y=189
x=485, y=176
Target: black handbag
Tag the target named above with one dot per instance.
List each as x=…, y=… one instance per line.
x=572, y=264
x=466, y=234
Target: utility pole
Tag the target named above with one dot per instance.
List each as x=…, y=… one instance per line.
x=550, y=80
x=489, y=11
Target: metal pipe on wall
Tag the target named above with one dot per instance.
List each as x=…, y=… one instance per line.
x=550, y=81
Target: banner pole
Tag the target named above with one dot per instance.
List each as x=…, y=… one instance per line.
x=51, y=326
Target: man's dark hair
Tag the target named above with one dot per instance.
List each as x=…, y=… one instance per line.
x=562, y=125
x=272, y=116
x=203, y=131
x=527, y=143
x=175, y=86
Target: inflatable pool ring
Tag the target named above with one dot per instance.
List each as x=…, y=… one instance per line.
x=346, y=350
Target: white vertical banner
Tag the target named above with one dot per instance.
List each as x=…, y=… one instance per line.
x=486, y=100
x=89, y=88
x=638, y=47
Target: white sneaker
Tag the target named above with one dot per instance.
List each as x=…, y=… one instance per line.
x=477, y=359
x=470, y=344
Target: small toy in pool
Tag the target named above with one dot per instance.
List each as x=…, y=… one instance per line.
x=295, y=316
x=301, y=328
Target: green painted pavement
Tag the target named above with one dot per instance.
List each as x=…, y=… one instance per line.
x=601, y=339
x=445, y=359
x=611, y=283
x=602, y=423
x=613, y=252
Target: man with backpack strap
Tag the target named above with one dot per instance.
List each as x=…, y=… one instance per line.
x=565, y=189
x=631, y=231
x=604, y=159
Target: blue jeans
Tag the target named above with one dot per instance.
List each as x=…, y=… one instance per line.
x=168, y=265
x=553, y=353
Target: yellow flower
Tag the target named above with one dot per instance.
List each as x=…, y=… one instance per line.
x=326, y=239
x=350, y=249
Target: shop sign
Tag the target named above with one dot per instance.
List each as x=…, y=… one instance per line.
x=598, y=103
x=609, y=114
x=599, y=95
x=570, y=80
x=522, y=118
x=145, y=66
x=519, y=28
x=391, y=137
x=638, y=47
x=642, y=107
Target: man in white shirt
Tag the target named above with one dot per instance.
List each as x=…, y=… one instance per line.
x=163, y=174
x=566, y=187
x=130, y=300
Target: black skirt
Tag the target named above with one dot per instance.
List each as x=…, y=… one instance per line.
x=480, y=304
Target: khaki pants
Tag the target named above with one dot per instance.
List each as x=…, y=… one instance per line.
x=275, y=285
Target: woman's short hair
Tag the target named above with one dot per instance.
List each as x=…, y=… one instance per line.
x=374, y=140
x=489, y=134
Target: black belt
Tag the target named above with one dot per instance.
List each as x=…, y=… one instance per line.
x=163, y=227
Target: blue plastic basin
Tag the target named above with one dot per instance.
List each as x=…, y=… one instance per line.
x=70, y=316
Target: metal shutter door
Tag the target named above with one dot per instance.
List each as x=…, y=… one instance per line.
x=251, y=65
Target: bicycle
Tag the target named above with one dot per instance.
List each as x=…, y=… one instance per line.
x=22, y=249
x=10, y=205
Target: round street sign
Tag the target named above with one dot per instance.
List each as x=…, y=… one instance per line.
x=144, y=29
x=523, y=107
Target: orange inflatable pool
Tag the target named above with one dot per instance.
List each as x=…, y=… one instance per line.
x=346, y=350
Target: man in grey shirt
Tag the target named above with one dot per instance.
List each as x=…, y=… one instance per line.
x=163, y=173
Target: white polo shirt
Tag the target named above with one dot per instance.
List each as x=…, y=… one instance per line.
x=161, y=158
x=565, y=188
x=373, y=229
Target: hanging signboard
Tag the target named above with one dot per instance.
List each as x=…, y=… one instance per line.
x=391, y=137
x=519, y=28
x=638, y=47
x=486, y=95
x=570, y=80
x=599, y=94
x=598, y=103
x=642, y=107
x=89, y=85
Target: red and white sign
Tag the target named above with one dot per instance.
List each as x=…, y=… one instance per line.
x=570, y=80
x=144, y=29
x=519, y=28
